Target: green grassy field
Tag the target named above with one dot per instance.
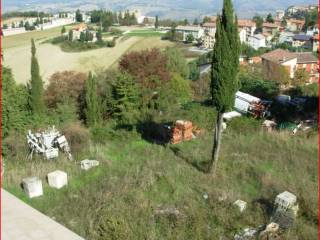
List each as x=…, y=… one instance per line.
x=25, y=38
x=119, y=199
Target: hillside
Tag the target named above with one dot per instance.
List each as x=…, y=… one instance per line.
x=166, y=8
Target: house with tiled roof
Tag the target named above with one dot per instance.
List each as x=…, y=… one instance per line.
x=302, y=40
x=307, y=61
x=246, y=29
x=294, y=24
x=270, y=28
x=273, y=62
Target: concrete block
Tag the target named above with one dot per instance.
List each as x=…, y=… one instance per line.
x=57, y=179
x=87, y=164
x=32, y=186
x=242, y=205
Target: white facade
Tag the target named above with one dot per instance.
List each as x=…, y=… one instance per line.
x=280, y=14
x=257, y=41
x=243, y=35
x=196, y=31
x=292, y=66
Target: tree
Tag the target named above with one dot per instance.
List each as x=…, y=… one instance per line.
x=156, y=24
x=99, y=35
x=82, y=37
x=206, y=19
x=93, y=103
x=14, y=103
x=5, y=26
x=196, y=22
x=36, y=92
x=185, y=22
x=126, y=99
x=259, y=22
x=225, y=66
x=63, y=30
x=13, y=25
x=189, y=38
x=21, y=24
x=269, y=18
x=70, y=36
x=301, y=77
x=79, y=17
x=176, y=62
x=194, y=71
x=66, y=85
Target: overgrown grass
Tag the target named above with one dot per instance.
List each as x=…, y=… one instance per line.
x=118, y=200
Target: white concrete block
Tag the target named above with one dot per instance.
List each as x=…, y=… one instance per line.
x=32, y=186
x=87, y=164
x=242, y=205
x=57, y=179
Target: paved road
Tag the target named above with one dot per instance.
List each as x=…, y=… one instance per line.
x=22, y=222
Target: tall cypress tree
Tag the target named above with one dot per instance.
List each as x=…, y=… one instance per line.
x=156, y=24
x=93, y=103
x=36, y=100
x=225, y=66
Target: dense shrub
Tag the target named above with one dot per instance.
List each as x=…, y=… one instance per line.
x=77, y=135
x=64, y=85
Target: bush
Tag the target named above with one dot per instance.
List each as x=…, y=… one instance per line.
x=77, y=136
x=67, y=85
x=15, y=145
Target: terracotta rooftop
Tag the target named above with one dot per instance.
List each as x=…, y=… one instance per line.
x=246, y=23
x=209, y=25
x=296, y=21
x=278, y=56
x=306, y=57
x=269, y=25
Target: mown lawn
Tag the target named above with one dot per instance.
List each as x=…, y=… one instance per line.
x=120, y=198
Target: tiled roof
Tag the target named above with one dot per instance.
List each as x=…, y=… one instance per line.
x=269, y=25
x=279, y=56
x=246, y=23
x=209, y=25
x=306, y=57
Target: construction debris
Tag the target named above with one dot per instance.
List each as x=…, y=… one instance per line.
x=32, y=186
x=242, y=205
x=286, y=210
x=48, y=143
x=247, y=104
x=269, y=126
x=246, y=234
x=229, y=115
x=87, y=164
x=57, y=179
x=271, y=232
x=182, y=131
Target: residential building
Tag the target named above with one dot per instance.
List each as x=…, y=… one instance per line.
x=257, y=41
x=209, y=27
x=313, y=31
x=208, y=40
x=286, y=37
x=294, y=25
x=270, y=28
x=302, y=40
x=307, y=61
x=246, y=29
x=272, y=61
x=280, y=14
x=315, y=43
x=196, y=31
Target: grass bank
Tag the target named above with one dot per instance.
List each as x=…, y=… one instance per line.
x=137, y=177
